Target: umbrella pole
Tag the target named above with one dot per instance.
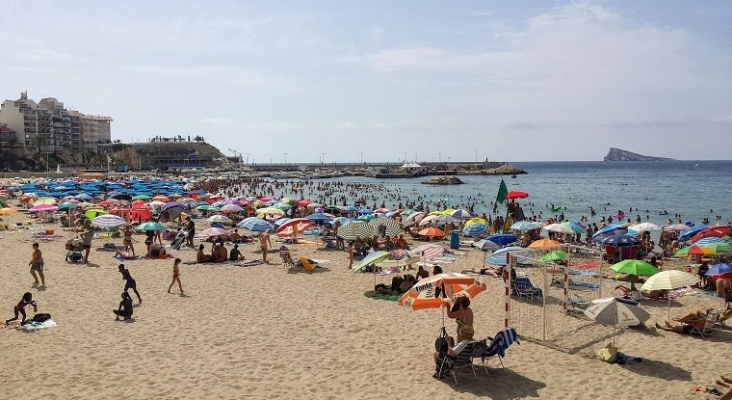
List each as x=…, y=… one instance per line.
x=668, y=315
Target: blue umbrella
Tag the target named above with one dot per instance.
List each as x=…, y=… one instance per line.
x=342, y=220
x=281, y=221
x=620, y=241
x=365, y=211
x=689, y=233
x=318, y=217
x=350, y=208
x=523, y=226
x=719, y=269
x=255, y=224
x=502, y=238
x=700, y=242
x=576, y=227
x=465, y=214
x=498, y=257
x=474, y=229
x=608, y=231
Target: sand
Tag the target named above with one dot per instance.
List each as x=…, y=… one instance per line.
x=258, y=332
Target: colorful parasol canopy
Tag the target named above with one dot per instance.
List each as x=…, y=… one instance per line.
x=437, y=290
x=298, y=225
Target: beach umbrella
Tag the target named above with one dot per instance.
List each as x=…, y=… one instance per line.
x=140, y=197
x=669, y=280
x=319, y=217
x=154, y=203
x=414, y=218
x=350, y=208
x=67, y=205
x=270, y=210
x=297, y=224
x=558, y=228
x=646, y=226
x=44, y=200
x=713, y=231
x=502, y=238
x=462, y=214
x=608, y=231
x=439, y=289
x=695, y=251
x=615, y=311
x=541, y=243
x=371, y=259
x=498, y=257
x=254, y=224
x=719, y=269
x=107, y=221
x=355, y=229
x=554, y=255
x=484, y=245
x=220, y=219
x=43, y=207
x=431, y=232
x=474, y=229
x=208, y=232
x=634, y=268
x=7, y=210
x=676, y=227
x=689, y=233
x=524, y=226
x=719, y=247
x=710, y=240
x=342, y=220
x=107, y=203
x=231, y=208
x=140, y=214
x=516, y=194
x=575, y=226
x=476, y=220
x=620, y=241
x=162, y=198
x=365, y=211
x=366, y=217
x=382, y=210
x=391, y=226
x=280, y=221
x=150, y=226
x=208, y=208
x=429, y=251
x=91, y=214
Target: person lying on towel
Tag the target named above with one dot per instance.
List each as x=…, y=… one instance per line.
x=398, y=285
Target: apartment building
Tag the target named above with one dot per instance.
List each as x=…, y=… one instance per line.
x=47, y=126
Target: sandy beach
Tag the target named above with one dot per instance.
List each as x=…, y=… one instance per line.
x=257, y=332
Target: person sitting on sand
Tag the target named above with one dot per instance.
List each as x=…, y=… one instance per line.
x=235, y=254
x=648, y=294
x=686, y=328
x=218, y=252
x=495, y=272
x=156, y=250
x=453, y=350
x=125, y=309
x=700, y=316
x=398, y=285
x=202, y=257
x=234, y=236
x=422, y=273
x=20, y=308
x=125, y=255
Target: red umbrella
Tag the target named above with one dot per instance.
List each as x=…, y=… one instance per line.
x=140, y=214
x=431, y=232
x=712, y=231
x=288, y=228
x=106, y=203
x=517, y=194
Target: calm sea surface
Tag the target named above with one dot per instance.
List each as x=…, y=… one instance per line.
x=690, y=188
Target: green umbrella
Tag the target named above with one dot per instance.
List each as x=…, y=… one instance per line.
x=150, y=226
x=141, y=197
x=94, y=213
x=634, y=268
x=554, y=255
x=208, y=208
x=718, y=247
x=282, y=206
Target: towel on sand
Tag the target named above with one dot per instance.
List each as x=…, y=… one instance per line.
x=387, y=297
x=39, y=325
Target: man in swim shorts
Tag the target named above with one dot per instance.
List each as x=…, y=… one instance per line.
x=36, y=264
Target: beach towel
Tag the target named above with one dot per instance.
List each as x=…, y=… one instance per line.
x=161, y=257
x=46, y=238
x=249, y=263
x=39, y=325
x=127, y=259
x=584, y=273
x=387, y=297
x=444, y=260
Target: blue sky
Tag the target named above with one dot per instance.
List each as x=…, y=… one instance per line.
x=508, y=81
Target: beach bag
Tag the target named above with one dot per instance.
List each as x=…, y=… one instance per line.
x=41, y=318
x=608, y=353
x=441, y=342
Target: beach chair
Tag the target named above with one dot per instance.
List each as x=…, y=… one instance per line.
x=499, y=344
x=306, y=265
x=576, y=303
x=523, y=288
x=462, y=361
x=287, y=263
x=707, y=328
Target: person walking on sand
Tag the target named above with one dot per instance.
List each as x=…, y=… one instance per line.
x=176, y=276
x=130, y=282
x=36, y=264
x=264, y=243
x=20, y=308
x=86, y=241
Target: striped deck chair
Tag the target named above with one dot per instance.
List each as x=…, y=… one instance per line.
x=707, y=328
x=498, y=346
x=522, y=287
x=464, y=359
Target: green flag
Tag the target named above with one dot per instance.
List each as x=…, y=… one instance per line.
x=502, y=192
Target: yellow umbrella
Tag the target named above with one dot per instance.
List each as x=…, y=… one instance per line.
x=270, y=210
x=448, y=211
x=7, y=210
x=435, y=213
x=476, y=221
x=44, y=200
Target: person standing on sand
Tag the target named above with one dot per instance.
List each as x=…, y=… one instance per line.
x=176, y=276
x=86, y=241
x=130, y=282
x=264, y=242
x=36, y=264
x=191, y=228
x=127, y=239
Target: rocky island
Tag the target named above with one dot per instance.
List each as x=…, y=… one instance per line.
x=443, y=180
x=616, y=154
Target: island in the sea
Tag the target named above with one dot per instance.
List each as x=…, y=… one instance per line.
x=616, y=154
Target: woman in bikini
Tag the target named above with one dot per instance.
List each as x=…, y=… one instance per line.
x=176, y=276
x=462, y=314
x=264, y=243
x=127, y=239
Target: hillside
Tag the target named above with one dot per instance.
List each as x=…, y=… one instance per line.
x=616, y=154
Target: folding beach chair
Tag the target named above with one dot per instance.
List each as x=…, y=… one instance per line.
x=707, y=328
x=463, y=360
x=498, y=346
x=306, y=265
x=522, y=287
x=287, y=262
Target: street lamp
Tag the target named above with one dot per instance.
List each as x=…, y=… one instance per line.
x=361, y=157
x=322, y=159
x=247, y=158
x=286, y=158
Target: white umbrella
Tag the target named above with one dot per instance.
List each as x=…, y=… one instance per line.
x=107, y=221
x=646, y=226
x=676, y=227
x=558, y=228
x=669, y=280
x=616, y=311
x=412, y=218
x=218, y=218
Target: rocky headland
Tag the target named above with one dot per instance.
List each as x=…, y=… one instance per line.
x=443, y=180
x=616, y=154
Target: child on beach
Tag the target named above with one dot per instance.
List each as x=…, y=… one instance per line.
x=36, y=264
x=125, y=309
x=176, y=276
x=130, y=282
x=20, y=308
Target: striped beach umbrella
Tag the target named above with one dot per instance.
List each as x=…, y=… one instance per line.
x=436, y=290
x=355, y=229
x=392, y=226
x=475, y=229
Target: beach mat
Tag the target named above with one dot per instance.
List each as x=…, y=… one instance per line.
x=127, y=259
x=388, y=297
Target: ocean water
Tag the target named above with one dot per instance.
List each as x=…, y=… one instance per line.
x=693, y=189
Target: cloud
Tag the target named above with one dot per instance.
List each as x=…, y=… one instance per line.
x=216, y=121
x=347, y=125
x=234, y=75
x=481, y=13
x=377, y=33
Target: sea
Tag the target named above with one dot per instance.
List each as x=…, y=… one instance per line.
x=686, y=191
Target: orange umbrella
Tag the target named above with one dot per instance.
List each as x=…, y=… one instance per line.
x=538, y=244
x=431, y=232
x=433, y=292
x=162, y=198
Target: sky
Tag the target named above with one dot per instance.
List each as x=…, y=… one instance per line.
x=330, y=81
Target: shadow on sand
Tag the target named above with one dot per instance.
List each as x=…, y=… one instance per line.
x=502, y=384
x=660, y=370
